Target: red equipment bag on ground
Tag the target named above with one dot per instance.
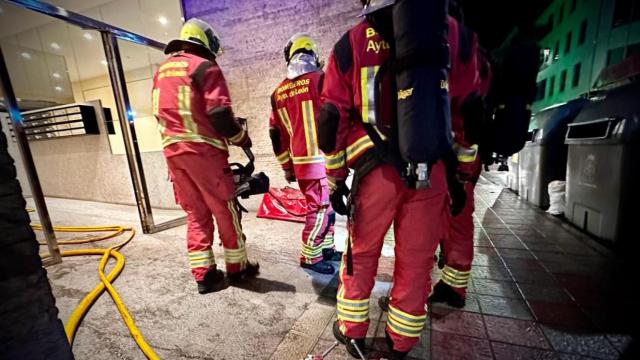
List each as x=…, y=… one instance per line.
x=286, y=204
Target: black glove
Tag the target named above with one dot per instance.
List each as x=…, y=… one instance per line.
x=456, y=187
x=458, y=196
x=289, y=175
x=337, y=197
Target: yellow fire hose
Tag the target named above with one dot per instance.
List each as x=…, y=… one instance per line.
x=105, y=280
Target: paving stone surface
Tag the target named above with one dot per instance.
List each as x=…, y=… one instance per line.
x=540, y=290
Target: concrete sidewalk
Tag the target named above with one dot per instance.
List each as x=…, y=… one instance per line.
x=540, y=290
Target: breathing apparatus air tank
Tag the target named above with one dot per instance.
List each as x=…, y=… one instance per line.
x=421, y=63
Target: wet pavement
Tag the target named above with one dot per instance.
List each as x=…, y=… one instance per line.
x=540, y=289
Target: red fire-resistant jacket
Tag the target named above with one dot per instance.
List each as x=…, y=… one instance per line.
x=463, y=77
x=293, y=125
x=349, y=86
x=186, y=88
x=349, y=81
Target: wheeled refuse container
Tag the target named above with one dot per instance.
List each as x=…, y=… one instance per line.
x=544, y=158
x=603, y=161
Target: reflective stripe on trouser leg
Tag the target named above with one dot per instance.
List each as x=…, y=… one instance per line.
x=352, y=310
x=235, y=259
x=199, y=221
x=455, y=278
x=405, y=324
x=199, y=259
x=418, y=229
x=374, y=205
x=316, y=193
x=312, y=236
x=458, y=246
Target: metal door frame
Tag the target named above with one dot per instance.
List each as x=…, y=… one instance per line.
x=110, y=35
x=30, y=167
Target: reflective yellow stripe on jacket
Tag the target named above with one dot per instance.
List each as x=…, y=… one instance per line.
x=358, y=147
x=367, y=89
x=310, y=133
x=191, y=127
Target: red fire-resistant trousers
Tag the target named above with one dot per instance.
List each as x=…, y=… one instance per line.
x=319, y=223
x=382, y=198
x=203, y=186
x=458, y=245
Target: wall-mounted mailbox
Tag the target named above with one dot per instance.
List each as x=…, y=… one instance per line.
x=60, y=121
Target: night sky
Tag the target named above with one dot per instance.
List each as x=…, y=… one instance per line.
x=484, y=17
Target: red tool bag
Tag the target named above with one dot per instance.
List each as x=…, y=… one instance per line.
x=286, y=204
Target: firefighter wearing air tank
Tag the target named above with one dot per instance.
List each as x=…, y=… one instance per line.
x=192, y=105
x=469, y=78
x=293, y=131
x=397, y=178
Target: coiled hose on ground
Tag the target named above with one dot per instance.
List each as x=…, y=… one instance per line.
x=105, y=280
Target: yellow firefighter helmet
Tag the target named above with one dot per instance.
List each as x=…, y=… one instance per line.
x=300, y=42
x=196, y=32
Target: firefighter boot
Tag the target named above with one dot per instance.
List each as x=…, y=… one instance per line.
x=394, y=354
x=445, y=293
x=213, y=281
x=322, y=267
x=251, y=270
x=331, y=255
x=351, y=348
x=383, y=303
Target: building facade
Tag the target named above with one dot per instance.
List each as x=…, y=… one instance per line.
x=582, y=38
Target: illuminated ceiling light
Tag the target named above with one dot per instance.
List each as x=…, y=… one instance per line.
x=55, y=46
x=103, y=62
x=87, y=36
x=58, y=88
x=19, y=99
x=163, y=20
x=26, y=55
x=56, y=75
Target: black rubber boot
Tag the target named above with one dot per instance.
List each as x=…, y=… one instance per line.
x=383, y=303
x=321, y=267
x=213, y=281
x=251, y=270
x=331, y=255
x=394, y=354
x=443, y=293
x=351, y=349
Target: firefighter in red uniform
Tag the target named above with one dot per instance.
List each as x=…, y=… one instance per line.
x=192, y=105
x=465, y=93
x=293, y=131
x=380, y=195
x=469, y=79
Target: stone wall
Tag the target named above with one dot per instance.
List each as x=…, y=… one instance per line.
x=254, y=33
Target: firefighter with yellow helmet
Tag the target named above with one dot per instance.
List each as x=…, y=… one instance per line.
x=192, y=104
x=293, y=130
